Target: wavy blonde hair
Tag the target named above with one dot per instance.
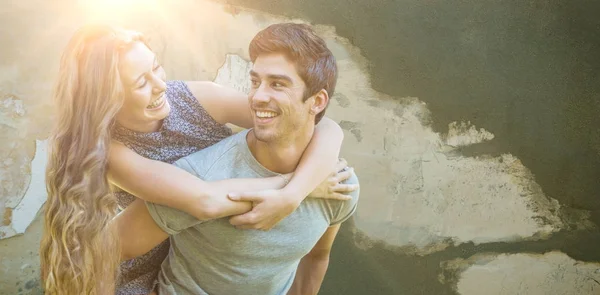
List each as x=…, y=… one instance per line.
x=79, y=251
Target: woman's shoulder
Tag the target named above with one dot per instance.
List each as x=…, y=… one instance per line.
x=177, y=88
x=188, y=98
x=180, y=96
x=206, y=95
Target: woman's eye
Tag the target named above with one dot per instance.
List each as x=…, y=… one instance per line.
x=157, y=67
x=143, y=84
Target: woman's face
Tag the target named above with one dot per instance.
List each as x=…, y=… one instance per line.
x=144, y=84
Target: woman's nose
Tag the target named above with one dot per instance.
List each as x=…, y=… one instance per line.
x=159, y=85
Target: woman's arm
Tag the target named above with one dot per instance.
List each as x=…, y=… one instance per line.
x=318, y=161
x=168, y=185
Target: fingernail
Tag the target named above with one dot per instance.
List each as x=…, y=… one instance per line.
x=233, y=196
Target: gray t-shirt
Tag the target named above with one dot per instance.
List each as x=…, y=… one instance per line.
x=213, y=257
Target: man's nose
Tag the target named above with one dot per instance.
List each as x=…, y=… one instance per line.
x=261, y=96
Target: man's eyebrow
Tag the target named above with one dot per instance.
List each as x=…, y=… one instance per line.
x=144, y=73
x=280, y=77
x=273, y=76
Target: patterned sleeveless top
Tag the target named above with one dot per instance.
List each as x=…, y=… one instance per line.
x=188, y=128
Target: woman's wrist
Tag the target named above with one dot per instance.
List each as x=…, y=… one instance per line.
x=294, y=195
x=204, y=204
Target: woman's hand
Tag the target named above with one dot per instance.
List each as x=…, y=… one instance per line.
x=333, y=187
x=269, y=207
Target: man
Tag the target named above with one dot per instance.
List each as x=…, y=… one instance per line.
x=293, y=76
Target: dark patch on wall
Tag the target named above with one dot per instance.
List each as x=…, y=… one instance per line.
x=379, y=270
x=31, y=284
x=7, y=216
x=342, y=100
x=32, y=287
x=353, y=127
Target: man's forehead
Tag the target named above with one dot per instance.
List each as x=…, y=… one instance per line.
x=275, y=64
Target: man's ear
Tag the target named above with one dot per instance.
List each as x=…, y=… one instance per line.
x=319, y=102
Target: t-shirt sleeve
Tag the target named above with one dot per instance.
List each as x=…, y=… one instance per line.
x=347, y=208
x=171, y=220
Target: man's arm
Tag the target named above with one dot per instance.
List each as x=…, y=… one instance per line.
x=138, y=232
x=312, y=268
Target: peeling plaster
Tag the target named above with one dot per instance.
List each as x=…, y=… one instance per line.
x=464, y=134
x=23, y=213
x=531, y=274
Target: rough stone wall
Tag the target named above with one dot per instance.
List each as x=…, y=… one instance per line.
x=431, y=220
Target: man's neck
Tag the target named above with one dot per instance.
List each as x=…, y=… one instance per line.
x=282, y=156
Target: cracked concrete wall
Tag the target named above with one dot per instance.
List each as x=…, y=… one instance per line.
x=433, y=218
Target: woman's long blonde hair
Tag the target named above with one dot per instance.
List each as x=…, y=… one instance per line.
x=79, y=251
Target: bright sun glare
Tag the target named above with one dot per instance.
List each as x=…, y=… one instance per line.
x=110, y=9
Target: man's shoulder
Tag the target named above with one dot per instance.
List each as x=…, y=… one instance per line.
x=217, y=149
x=337, y=210
x=201, y=161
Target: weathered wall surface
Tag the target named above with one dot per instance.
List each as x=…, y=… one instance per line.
x=453, y=202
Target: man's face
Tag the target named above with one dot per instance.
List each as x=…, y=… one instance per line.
x=276, y=99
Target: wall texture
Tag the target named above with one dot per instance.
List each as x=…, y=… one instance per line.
x=473, y=128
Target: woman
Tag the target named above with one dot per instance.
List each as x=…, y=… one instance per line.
x=117, y=120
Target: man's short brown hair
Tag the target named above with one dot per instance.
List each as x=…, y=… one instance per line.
x=314, y=62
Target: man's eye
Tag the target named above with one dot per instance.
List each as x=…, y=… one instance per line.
x=143, y=84
x=255, y=83
x=277, y=84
